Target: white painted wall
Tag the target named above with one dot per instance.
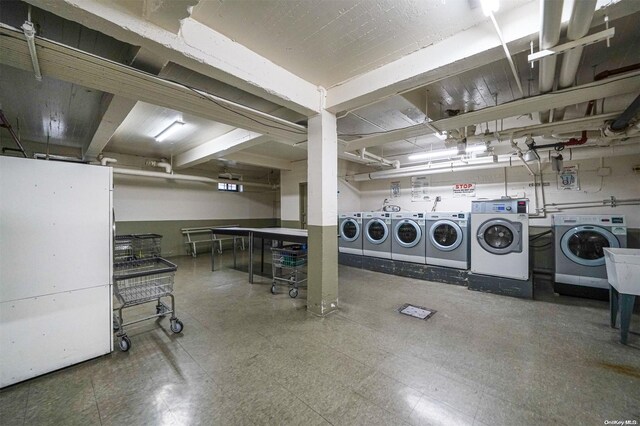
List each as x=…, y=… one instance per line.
x=348, y=192
x=622, y=183
x=144, y=199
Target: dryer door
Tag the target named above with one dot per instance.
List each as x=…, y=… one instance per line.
x=407, y=233
x=445, y=235
x=377, y=231
x=349, y=230
x=500, y=236
x=585, y=244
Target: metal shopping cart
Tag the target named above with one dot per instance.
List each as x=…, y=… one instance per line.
x=141, y=281
x=289, y=268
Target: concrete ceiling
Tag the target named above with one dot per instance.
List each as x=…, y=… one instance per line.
x=324, y=43
x=330, y=41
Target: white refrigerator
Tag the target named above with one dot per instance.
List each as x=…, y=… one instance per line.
x=56, y=237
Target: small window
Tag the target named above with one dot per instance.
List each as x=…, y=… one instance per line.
x=229, y=187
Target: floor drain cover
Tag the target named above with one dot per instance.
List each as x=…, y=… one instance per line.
x=416, y=311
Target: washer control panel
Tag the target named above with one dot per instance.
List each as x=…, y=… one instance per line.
x=499, y=206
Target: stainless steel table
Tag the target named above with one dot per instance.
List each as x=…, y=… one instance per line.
x=278, y=234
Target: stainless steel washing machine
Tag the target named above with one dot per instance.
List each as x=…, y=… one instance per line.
x=408, y=242
x=350, y=229
x=579, y=243
x=448, y=242
x=377, y=234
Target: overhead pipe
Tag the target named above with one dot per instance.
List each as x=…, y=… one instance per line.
x=571, y=154
x=606, y=74
x=106, y=160
x=622, y=122
x=162, y=163
x=551, y=22
x=579, y=24
x=192, y=178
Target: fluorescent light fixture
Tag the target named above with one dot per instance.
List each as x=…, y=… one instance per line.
x=476, y=149
x=445, y=153
x=490, y=6
x=169, y=130
x=434, y=154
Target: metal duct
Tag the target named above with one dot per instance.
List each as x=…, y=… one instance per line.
x=551, y=21
x=504, y=161
x=579, y=24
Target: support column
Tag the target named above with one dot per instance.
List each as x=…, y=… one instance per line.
x=322, y=178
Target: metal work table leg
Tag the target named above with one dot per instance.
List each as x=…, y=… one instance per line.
x=251, y=258
x=212, y=254
x=234, y=252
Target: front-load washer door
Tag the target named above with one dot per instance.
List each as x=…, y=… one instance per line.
x=377, y=231
x=500, y=236
x=349, y=230
x=445, y=235
x=407, y=233
x=585, y=244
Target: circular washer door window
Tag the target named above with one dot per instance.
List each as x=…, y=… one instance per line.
x=377, y=231
x=585, y=244
x=500, y=236
x=407, y=233
x=446, y=235
x=350, y=230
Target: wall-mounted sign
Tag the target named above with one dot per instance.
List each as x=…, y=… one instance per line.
x=419, y=188
x=395, y=189
x=568, y=179
x=464, y=190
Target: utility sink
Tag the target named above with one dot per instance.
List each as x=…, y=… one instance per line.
x=623, y=274
x=623, y=269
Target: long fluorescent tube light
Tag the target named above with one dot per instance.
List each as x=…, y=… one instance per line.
x=446, y=153
x=475, y=149
x=434, y=154
x=30, y=35
x=167, y=132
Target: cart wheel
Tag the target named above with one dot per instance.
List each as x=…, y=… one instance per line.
x=160, y=310
x=116, y=327
x=273, y=289
x=125, y=344
x=293, y=293
x=177, y=326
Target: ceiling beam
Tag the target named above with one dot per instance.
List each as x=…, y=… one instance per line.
x=72, y=65
x=625, y=83
x=474, y=47
x=228, y=143
x=259, y=160
x=196, y=47
x=115, y=109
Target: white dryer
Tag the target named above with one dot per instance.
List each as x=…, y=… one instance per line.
x=377, y=234
x=500, y=238
x=350, y=233
x=408, y=243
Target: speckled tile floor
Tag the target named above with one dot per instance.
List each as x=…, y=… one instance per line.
x=249, y=357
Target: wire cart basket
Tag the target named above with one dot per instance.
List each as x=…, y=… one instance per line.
x=141, y=281
x=146, y=245
x=289, y=268
x=123, y=248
